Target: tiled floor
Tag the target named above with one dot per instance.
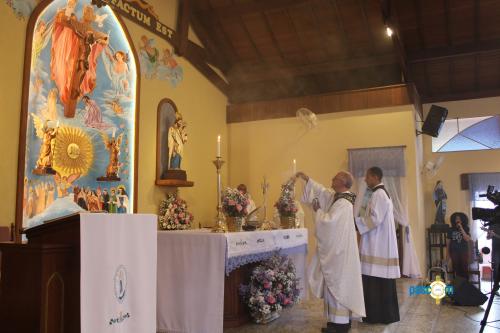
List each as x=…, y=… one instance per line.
x=419, y=314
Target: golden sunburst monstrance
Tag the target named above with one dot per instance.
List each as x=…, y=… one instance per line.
x=73, y=152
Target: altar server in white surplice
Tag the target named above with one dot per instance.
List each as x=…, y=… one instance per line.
x=335, y=273
x=378, y=251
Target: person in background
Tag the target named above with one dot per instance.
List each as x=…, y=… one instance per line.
x=251, y=204
x=457, y=244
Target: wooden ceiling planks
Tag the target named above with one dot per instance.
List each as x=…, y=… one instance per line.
x=274, y=49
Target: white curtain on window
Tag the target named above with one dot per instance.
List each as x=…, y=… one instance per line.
x=391, y=160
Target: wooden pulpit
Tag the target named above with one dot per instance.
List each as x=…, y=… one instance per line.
x=40, y=280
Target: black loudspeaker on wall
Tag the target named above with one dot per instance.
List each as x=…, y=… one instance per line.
x=434, y=121
x=466, y=294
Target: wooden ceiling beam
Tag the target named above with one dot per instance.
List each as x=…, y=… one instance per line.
x=243, y=8
x=454, y=51
x=183, y=20
x=214, y=52
x=390, y=16
x=198, y=61
x=447, y=13
x=341, y=27
x=418, y=13
x=264, y=73
x=464, y=95
x=324, y=103
x=369, y=31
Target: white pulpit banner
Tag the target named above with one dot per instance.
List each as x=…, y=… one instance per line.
x=118, y=273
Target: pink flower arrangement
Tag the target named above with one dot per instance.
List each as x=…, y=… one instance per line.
x=174, y=214
x=234, y=203
x=273, y=286
x=286, y=202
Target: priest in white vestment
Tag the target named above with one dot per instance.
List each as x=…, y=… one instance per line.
x=378, y=251
x=335, y=273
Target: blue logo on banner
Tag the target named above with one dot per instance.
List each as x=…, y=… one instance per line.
x=120, y=283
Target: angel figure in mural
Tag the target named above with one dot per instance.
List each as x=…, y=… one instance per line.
x=63, y=183
x=50, y=111
x=113, y=146
x=48, y=136
x=170, y=69
x=177, y=137
x=440, y=202
x=41, y=37
x=76, y=45
x=149, y=56
x=93, y=115
x=116, y=67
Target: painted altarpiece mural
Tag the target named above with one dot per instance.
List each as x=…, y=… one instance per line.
x=78, y=126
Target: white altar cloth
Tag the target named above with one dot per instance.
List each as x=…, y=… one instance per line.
x=191, y=267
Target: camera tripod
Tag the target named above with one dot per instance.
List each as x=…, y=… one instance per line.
x=494, y=291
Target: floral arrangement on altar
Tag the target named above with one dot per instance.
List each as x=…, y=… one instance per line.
x=234, y=203
x=174, y=214
x=286, y=202
x=273, y=286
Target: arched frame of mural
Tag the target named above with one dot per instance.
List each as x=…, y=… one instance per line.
x=24, y=112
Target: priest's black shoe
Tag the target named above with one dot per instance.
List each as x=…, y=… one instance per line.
x=336, y=328
x=330, y=328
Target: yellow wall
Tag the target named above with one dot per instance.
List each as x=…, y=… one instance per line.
x=457, y=163
x=267, y=148
x=202, y=105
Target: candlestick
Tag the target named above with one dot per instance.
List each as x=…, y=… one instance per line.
x=265, y=187
x=294, y=166
x=220, y=225
x=218, y=146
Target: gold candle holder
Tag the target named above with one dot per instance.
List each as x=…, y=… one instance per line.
x=266, y=225
x=220, y=220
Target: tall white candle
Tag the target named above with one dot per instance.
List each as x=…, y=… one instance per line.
x=294, y=166
x=218, y=146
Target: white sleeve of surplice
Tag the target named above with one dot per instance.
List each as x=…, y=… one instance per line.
x=314, y=190
x=375, y=215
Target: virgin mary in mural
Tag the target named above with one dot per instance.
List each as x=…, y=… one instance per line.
x=81, y=63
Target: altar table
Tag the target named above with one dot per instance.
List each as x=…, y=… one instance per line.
x=192, y=266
